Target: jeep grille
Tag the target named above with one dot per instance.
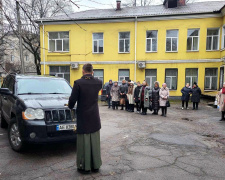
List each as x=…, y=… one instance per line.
x=62, y=115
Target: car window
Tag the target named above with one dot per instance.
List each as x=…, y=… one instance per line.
x=6, y=82
x=11, y=84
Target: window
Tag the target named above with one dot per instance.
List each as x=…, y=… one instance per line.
x=171, y=78
x=223, y=40
x=60, y=71
x=150, y=76
x=12, y=58
x=124, y=74
x=97, y=42
x=124, y=42
x=191, y=76
x=212, y=39
x=151, y=41
x=99, y=74
x=221, y=76
x=211, y=78
x=26, y=58
x=171, y=40
x=59, y=41
x=193, y=40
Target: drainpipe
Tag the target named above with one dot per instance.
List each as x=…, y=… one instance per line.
x=135, y=51
x=43, y=36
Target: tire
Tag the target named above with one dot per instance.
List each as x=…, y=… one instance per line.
x=4, y=124
x=15, y=140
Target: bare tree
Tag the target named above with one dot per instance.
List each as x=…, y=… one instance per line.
x=137, y=2
x=30, y=10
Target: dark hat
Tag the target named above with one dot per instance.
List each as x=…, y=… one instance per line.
x=129, y=80
x=195, y=83
x=110, y=80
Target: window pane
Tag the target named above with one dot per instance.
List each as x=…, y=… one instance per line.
x=212, y=32
x=52, y=45
x=214, y=83
x=189, y=43
x=127, y=45
x=64, y=35
x=124, y=35
x=215, y=43
x=207, y=82
x=53, y=35
x=100, y=45
x=188, y=80
x=121, y=79
x=148, y=45
x=174, y=45
x=66, y=45
x=58, y=45
x=168, y=44
x=224, y=41
x=211, y=72
x=124, y=73
x=171, y=72
x=168, y=82
x=64, y=69
x=54, y=69
x=154, y=44
x=153, y=80
x=151, y=34
x=193, y=32
x=98, y=72
x=194, y=79
x=195, y=43
x=172, y=33
x=95, y=46
x=98, y=36
x=174, y=83
x=147, y=79
x=67, y=77
x=121, y=48
x=209, y=43
x=191, y=72
x=150, y=72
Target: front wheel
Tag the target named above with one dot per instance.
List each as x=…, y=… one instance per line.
x=14, y=136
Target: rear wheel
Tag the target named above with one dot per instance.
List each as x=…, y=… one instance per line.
x=14, y=136
x=3, y=122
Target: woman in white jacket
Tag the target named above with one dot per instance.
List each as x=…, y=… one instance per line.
x=130, y=97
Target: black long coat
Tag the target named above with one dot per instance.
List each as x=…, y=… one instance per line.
x=108, y=89
x=85, y=93
x=136, y=93
x=196, y=94
x=185, y=93
x=155, y=98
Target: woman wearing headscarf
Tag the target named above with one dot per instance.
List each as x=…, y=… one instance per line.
x=136, y=96
x=164, y=95
x=155, y=98
x=222, y=102
x=144, y=98
x=196, y=94
x=130, y=97
x=186, y=90
x=115, y=95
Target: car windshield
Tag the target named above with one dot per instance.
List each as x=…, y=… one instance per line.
x=43, y=86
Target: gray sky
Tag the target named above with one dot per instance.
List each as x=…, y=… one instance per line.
x=103, y=4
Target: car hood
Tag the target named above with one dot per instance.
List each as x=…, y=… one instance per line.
x=43, y=101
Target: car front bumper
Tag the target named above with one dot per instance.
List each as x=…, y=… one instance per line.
x=40, y=132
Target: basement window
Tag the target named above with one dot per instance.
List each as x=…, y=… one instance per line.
x=58, y=41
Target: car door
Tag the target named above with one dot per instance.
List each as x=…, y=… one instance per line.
x=8, y=100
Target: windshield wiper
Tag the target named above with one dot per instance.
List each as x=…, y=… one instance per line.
x=29, y=93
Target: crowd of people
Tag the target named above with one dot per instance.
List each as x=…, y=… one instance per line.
x=128, y=94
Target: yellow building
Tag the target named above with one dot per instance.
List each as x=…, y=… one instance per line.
x=173, y=43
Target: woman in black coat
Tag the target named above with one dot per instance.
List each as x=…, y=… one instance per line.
x=185, y=95
x=155, y=98
x=196, y=94
x=136, y=96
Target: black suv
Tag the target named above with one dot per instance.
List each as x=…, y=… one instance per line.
x=34, y=109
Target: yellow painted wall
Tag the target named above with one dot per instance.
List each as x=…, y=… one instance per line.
x=81, y=48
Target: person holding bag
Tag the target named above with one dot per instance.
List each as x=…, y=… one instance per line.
x=115, y=95
x=164, y=96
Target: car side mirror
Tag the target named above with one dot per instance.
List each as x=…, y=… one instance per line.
x=5, y=91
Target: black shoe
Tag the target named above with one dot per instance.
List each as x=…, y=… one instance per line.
x=113, y=108
x=95, y=170
x=193, y=108
x=108, y=107
x=164, y=115
x=196, y=108
x=132, y=111
x=116, y=108
x=82, y=171
x=121, y=109
x=153, y=113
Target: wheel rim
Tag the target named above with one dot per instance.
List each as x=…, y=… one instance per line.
x=15, y=135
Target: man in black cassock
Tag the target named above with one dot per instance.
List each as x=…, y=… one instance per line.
x=85, y=93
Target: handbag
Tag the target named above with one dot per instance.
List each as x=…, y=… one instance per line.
x=167, y=103
x=150, y=106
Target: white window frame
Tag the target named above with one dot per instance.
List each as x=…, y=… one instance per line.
x=26, y=57
x=223, y=37
x=171, y=79
x=210, y=86
x=151, y=81
x=172, y=40
x=151, y=41
x=218, y=43
x=60, y=72
x=192, y=41
x=191, y=77
x=97, y=43
x=98, y=77
x=12, y=59
x=56, y=43
x=124, y=39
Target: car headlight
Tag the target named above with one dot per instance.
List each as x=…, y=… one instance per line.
x=33, y=114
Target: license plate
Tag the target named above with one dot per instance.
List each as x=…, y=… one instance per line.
x=66, y=127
